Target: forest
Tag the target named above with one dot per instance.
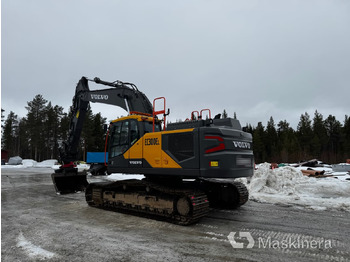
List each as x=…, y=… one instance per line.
x=39, y=134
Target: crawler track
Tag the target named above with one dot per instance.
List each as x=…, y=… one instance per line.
x=224, y=193
x=176, y=205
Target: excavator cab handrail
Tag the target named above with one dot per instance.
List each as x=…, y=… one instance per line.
x=201, y=114
x=159, y=112
x=193, y=117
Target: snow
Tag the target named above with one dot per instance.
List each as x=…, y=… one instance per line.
x=50, y=163
x=47, y=163
x=287, y=186
x=117, y=176
x=32, y=250
x=29, y=162
x=12, y=166
x=32, y=163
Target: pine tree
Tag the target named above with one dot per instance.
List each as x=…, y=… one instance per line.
x=319, y=140
x=2, y=118
x=333, y=129
x=9, y=138
x=23, y=139
x=271, y=140
x=98, y=123
x=35, y=124
x=288, y=143
x=259, y=143
x=64, y=127
x=305, y=134
x=51, y=123
x=346, y=137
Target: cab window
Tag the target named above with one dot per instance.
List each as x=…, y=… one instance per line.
x=124, y=135
x=119, y=138
x=134, y=132
x=149, y=127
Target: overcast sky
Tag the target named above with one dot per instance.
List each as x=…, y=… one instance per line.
x=256, y=58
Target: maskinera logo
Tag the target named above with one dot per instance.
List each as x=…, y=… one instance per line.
x=247, y=235
x=291, y=242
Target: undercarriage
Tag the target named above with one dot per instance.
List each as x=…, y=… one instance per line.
x=181, y=203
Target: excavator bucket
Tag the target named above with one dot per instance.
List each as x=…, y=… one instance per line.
x=67, y=182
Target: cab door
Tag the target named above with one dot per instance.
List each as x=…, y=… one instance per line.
x=134, y=154
x=120, y=143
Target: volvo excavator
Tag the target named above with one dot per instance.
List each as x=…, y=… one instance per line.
x=188, y=166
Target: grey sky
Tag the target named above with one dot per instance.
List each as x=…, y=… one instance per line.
x=255, y=58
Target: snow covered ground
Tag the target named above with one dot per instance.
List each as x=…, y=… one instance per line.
x=50, y=163
x=283, y=186
x=288, y=186
x=32, y=163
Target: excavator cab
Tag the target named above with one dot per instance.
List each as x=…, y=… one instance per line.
x=126, y=140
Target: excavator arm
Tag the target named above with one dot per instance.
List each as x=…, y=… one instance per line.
x=125, y=95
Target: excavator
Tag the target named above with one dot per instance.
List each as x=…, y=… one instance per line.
x=188, y=167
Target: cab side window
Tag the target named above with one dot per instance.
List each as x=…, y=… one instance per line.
x=115, y=140
x=124, y=135
x=119, y=139
x=134, y=132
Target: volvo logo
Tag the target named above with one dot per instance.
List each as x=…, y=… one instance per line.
x=239, y=144
x=99, y=97
x=135, y=162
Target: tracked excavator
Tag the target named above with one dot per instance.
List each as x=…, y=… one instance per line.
x=188, y=167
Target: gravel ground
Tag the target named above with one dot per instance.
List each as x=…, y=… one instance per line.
x=38, y=225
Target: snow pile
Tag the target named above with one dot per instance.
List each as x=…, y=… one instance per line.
x=29, y=162
x=32, y=163
x=47, y=163
x=287, y=186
